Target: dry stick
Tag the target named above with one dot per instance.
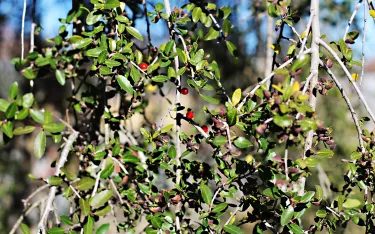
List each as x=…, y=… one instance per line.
x=363, y=43
x=304, y=41
x=178, y=128
x=347, y=73
x=251, y=93
x=52, y=192
x=286, y=162
x=147, y=24
x=348, y=103
x=314, y=69
x=117, y=192
x=233, y=214
x=38, y=190
x=27, y=212
x=351, y=19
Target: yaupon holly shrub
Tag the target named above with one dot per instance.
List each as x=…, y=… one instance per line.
x=252, y=178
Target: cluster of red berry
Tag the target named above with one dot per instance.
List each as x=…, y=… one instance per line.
x=184, y=91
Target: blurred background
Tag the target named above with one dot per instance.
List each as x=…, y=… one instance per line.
x=249, y=35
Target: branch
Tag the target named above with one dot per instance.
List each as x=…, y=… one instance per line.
x=252, y=92
x=351, y=19
x=178, y=128
x=268, y=68
x=38, y=190
x=314, y=70
x=52, y=192
x=363, y=43
x=348, y=103
x=347, y=73
x=26, y=213
x=23, y=30
x=233, y=214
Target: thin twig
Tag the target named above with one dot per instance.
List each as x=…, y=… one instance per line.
x=26, y=213
x=268, y=68
x=120, y=165
x=214, y=197
x=178, y=127
x=363, y=43
x=38, y=190
x=252, y=92
x=348, y=103
x=233, y=214
x=52, y=193
x=286, y=162
x=23, y=30
x=116, y=191
x=347, y=73
x=351, y=19
x=307, y=31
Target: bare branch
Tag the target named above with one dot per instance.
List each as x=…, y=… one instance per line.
x=52, y=193
x=363, y=43
x=352, y=18
x=38, y=190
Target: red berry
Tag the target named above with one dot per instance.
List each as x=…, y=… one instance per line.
x=204, y=128
x=190, y=115
x=184, y=91
x=143, y=66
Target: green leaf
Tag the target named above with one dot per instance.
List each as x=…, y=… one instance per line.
x=29, y=74
x=232, y=48
x=232, y=229
x=156, y=221
x=103, y=229
x=13, y=90
x=11, y=110
x=211, y=35
x=53, y=127
x=160, y=78
x=134, y=32
x=209, y=99
x=196, y=14
x=352, y=35
x=101, y=198
x=325, y=153
x=231, y=116
x=318, y=193
x=56, y=230
x=219, y=207
x=4, y=104
x=321, y=213
x=25, y=130
x=27, y=100
x=224, y=12
x=85, y=206
x=40, y=144
x=166, y=128
x=94, y=52
x=295, y=228
x=307, y=197
x=54, y=180
x=110, y=4
x=227, y=26
x=108, y=170
x=85, y=183
x=92, y=18
x=219, y=140
x=89, y=226
x=22, y=114
x=242, y=143
x=103, y=211
x=282, y=121
x=8, y=129
x=206, y=193
x=37, y=116
x=48, y=118
x=287, y=215
x=66, y=220
x=197, y=57
x=125, y=84
x=355, y=155
x=82, y=43
x=134, y=73
x=24, y=228
x=60, y=77
x=351, y=203
x=182, y=55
